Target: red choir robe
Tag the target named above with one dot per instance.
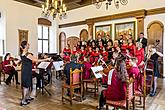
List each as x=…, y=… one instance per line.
x=96, y=56
x=89, y=53
x=74, y=52
x=105, y=55
x=82, y=54
x=92, y=57
x=66, y=53
x=134, y=71
x=116, y=90
x=132, y=49
x=140, y=55
x=8, y=69
x=87, y=70
x=123, y=48
x=101, y=48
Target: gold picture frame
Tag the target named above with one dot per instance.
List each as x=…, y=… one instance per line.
x=125, y=28
x=103, y=30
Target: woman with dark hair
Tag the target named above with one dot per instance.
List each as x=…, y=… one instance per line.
x=117, y=78
x=9, y=68
x=27, y=59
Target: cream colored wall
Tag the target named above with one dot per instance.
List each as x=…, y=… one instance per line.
x=91, y=11
x=73, y=31
x=25, y=17
x=20, y=16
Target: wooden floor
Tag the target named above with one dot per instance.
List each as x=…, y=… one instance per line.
x=10, y=98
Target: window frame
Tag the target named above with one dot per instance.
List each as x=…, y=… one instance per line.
x=42, y=39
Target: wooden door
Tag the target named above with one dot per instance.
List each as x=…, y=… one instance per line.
x=72, y=41
x=62, y=41
x=155, y=33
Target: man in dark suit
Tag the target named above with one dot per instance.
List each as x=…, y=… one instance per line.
x=72, y=65
x=142, y=40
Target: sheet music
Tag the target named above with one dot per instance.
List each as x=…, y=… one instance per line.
x=58, y=65
x=43, y=65
x=96, y=70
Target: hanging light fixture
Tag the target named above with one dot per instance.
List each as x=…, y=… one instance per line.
x=97, y=3
x=54, y=8
x=109, y=2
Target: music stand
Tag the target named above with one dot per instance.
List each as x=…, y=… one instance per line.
x=42, y=67
x=58, y=65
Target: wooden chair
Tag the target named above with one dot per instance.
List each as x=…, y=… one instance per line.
x=75, y=83
x=94, y=82
x=146, y=84
x=124, y=104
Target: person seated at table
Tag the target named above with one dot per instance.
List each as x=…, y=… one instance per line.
x=87, y=68
x=133, y=71
x=116, y=90
x=72, y=64
x=9, y=68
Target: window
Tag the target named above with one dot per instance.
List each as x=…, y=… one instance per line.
x=2, y=36
x=2, y=49
x=43, y=39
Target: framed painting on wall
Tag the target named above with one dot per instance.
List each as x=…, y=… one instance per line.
x=125, y=29
x=23, y=36
x=103, y=31
x=84, y=35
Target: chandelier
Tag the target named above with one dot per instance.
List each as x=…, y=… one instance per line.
x=54, y=8
x=98, y=3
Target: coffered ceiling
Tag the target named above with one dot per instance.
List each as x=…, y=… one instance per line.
x=71, y=4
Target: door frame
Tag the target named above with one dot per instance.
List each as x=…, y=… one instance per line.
x=163, y=37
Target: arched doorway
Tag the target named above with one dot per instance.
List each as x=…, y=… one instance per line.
x=72, y=41
x=62, y=41
x=155, y=32
x=84, y=35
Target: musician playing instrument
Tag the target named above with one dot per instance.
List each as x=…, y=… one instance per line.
x=9, y=68
x=153, y=54
x=116, y=84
